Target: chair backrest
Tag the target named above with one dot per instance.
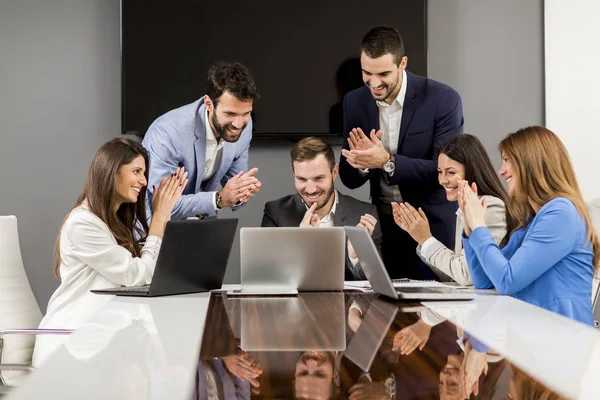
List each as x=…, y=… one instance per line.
x=18, y=307
x=594, y=210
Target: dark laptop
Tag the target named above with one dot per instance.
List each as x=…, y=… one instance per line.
x=381, y=283
x=193, y=258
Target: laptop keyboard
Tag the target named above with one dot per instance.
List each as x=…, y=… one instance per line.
x=141, y=288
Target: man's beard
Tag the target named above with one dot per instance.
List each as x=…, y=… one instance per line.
x=222, y=130
x=387, y=91
x=328, y=195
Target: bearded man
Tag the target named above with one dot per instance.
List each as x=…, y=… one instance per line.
x=317, y=203
x=210, y=138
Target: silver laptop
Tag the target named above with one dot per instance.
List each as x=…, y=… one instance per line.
x=312, y=321
x=380, y=281
x=289, y=260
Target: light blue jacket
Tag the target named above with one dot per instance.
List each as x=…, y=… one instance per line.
x=548, y=263
x=178, y=138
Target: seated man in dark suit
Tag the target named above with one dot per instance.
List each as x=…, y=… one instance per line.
x=318, y=204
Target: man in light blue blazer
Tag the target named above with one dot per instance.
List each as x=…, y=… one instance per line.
x=210, y=138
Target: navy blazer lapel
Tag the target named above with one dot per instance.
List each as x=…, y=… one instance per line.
x=373, y=115
x=410, y=105
x=200, y=144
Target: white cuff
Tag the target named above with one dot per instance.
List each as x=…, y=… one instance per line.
x=363, y=171
x=152, y=247
x=426, y=247
x=214, y=202
x=355, y=306
x=431, y=318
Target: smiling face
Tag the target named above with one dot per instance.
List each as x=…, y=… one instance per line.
x=314, y=182
x=314, y=375
x=130, y=180
x=449, y=173
x=382, y=76
x=451, y=386
x=229, y=116
x=507, y=172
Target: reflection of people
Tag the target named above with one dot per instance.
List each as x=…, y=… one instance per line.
x=227, y=378
x=210, y=138
x=316, y=375
x=462, y=157
x=96, y=247
x=244, y=367
x=524, y=387
x=347, y=78
x=407, y=118
x=550, y=259
x=410, y=338
x=317, y=203
x=474, y=370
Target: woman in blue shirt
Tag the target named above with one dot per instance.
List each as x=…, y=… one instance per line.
x=552, y=254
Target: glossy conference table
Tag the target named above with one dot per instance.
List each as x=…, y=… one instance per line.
x=320, y=345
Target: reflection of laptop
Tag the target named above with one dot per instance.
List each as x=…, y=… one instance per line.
x=288, y=260
x=309, y=321
x=380, y=281
x=369, y=336
x=193, y=258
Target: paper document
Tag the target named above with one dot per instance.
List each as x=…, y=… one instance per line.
x=365, y=286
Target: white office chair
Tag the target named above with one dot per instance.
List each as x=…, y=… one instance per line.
x=20, y=314
x=594, y=210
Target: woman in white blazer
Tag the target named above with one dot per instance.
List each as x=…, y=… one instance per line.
x=462, y=157
x=99, y=242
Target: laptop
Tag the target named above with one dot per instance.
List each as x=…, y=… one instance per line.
x=369, y=336
x=289, y=260
x=193, y=258
x=380, y=281
x=311, y=321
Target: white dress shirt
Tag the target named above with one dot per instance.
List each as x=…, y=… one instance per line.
x=390, y=118
x=214, y=152
x=91, y=258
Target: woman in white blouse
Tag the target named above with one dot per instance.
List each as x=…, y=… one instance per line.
x=462, y=157
x=99, y=243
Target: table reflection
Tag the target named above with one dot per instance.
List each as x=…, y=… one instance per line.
x=350, y=346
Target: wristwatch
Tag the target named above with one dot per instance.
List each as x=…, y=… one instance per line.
x=390, y=386
x=390, y=165
x=217, y=200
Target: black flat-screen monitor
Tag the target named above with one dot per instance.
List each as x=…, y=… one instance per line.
x=303, y=54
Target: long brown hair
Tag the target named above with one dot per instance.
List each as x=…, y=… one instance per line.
x=527, y=388
x=469, y=151
x=541, y=164
x=128, y=224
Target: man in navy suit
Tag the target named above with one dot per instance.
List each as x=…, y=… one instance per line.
x=210, y=138
x=393, y=129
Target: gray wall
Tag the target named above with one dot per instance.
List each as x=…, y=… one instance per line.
x=59, y=100
x=492, y=53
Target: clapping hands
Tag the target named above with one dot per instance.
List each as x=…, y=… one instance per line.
x=471, y=206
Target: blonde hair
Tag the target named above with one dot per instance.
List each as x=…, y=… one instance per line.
x=544, y=172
